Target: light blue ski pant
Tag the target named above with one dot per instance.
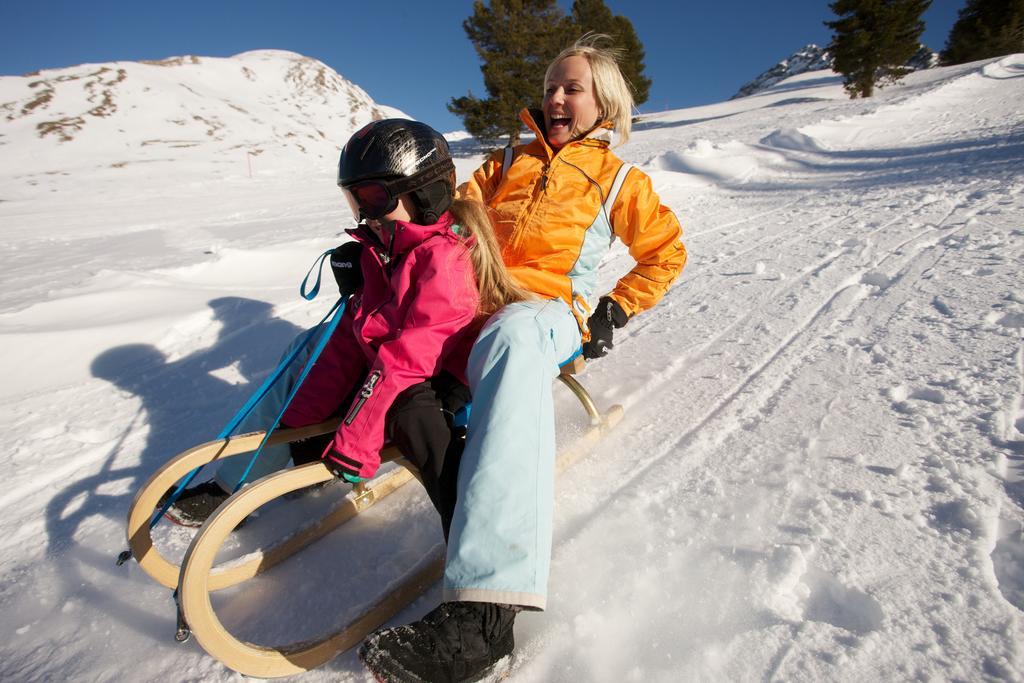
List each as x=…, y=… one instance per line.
x=273, y=458
x=499, y=549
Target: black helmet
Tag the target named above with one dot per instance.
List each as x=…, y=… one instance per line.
x=396, y=156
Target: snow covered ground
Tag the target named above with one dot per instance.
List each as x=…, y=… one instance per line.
x=819, y=475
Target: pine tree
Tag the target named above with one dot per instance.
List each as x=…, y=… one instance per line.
x=985, y=28
x=594, y=16
x=515, y=40
x=873, y=40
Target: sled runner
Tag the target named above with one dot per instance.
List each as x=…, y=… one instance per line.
x=197, y=576
x=147, y=501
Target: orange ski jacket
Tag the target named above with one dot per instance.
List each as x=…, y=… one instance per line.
x=556, y=213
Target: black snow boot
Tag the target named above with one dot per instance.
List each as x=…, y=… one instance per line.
x=458, y=641
x=195, y=504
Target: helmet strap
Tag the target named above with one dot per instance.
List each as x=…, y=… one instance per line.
x=432, y=201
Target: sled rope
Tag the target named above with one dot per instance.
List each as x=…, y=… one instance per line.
x=337, y=311
x=319, y=265
x=258, y=396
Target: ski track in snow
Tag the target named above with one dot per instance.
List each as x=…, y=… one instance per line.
x=819, y=476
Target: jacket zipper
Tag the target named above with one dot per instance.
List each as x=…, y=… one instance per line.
x=535, y=201
x=376, y=246
x=364, y=394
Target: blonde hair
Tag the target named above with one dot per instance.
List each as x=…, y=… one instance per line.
x=611, y=90
x=495, y=285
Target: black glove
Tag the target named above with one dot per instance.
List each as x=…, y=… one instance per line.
x=311, y=449
x=347, y=270
x=607, y=316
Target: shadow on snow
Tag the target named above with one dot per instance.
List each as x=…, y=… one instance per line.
x=182, y=404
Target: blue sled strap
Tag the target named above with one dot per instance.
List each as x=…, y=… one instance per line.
x=337, y=310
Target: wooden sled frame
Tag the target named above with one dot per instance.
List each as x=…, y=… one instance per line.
x=144, y=506
x=197, y=576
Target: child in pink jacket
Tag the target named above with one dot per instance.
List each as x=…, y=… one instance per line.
x=395, y=368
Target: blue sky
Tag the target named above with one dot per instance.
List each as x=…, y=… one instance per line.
x=415, y=55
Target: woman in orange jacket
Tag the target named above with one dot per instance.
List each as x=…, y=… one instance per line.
x=557, y=204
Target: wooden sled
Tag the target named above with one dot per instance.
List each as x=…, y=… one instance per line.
x=197, y=576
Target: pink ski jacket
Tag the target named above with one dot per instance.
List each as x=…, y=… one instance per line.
x=415, y=316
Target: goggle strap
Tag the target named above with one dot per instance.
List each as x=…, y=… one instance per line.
x=397, y=186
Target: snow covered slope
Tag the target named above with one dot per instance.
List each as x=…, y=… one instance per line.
x=183, y=119
x=135, y=151
x=819, y=475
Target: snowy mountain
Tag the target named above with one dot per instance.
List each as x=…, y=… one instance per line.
x=183, y=118
x=819, y=472
x=814, y=58
x=809, y=58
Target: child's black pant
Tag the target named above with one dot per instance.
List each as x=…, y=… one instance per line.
x=419, y=423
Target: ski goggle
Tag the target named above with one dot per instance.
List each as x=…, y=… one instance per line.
x=374, y=199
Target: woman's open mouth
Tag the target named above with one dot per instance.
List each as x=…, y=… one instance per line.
x=560, y=124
